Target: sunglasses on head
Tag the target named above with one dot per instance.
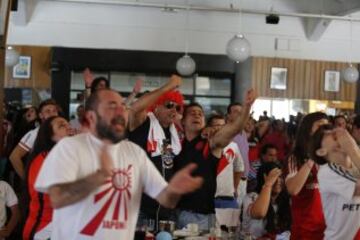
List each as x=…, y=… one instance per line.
x=171, y=105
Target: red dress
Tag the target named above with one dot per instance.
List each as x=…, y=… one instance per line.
x=308, y=220
x=40, y=210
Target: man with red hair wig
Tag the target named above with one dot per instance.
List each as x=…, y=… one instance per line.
x=152, y=126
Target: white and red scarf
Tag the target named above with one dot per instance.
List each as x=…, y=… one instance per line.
x=157, y=136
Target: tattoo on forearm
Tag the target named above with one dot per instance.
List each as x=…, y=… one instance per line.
x=69, y=193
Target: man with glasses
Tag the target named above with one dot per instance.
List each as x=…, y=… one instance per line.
x=152, y=126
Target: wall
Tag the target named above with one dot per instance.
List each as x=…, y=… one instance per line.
x=40, y=69
x=2, y=64
x=117, y=27
x=305, y=79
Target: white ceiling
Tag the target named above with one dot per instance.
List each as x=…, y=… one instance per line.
x=331, y=7
x=72, y=23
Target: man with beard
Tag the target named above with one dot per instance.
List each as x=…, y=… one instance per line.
x=95, y=179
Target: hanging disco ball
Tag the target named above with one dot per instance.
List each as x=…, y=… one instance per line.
x=185, y=66
x=11, y=57
x=238, y=48
x=351, y=74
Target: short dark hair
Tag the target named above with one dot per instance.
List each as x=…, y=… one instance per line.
x=46, y=102
x=214, y=117
x=339, y=116
x=266, y=147
x=92, y=101
x=97, y=81
x=228, y=110
x=190, y=105
x=315, y=144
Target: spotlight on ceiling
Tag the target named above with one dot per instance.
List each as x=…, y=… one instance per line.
x=272, y=19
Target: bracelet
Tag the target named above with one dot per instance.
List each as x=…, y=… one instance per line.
x=266, y=185
x=87, y=87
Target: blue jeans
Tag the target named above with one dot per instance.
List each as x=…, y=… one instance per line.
x=204, y=221
x=226, y=203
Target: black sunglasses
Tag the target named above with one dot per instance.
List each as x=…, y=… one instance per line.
x=171, y=105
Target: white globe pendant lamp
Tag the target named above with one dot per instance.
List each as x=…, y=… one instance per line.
x=238, y=48
x=185, y=65
x=351, y=74
x=11, y=57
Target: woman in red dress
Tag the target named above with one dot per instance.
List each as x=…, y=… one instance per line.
x=307, y=216
x=38, y=222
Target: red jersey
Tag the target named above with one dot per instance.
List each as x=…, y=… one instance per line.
x=40, y=210
x=279, y=140
x=308, y=220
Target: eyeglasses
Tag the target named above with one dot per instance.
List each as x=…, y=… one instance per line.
x=171, y=105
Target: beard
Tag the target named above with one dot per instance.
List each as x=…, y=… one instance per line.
x=110, y=131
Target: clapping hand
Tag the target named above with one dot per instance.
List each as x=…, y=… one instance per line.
x=183, y=182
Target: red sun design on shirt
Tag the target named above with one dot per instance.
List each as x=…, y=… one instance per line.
x=115, y=189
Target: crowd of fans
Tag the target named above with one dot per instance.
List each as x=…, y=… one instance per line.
x=265, y=177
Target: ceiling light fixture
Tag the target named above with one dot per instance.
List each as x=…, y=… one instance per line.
x=185, y=65
x=238, y=48
x=351, y=73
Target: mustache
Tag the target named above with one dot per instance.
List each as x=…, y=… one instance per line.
x=118, y=120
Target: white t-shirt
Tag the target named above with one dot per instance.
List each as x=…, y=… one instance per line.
x=111, y=211
x=232, y=162
x=7, y=199
x=341, y=208
x=28, y=140
x=254, y=226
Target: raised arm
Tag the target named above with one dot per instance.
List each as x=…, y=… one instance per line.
x=137, y=88
x=260, y=207
x=348, y=145
x=137, y=113
x=88, y=79
x=227, y=133
x=297, y=178
x=357, y=188
x=65, y=194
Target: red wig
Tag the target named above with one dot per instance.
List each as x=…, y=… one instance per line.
x=170, y=96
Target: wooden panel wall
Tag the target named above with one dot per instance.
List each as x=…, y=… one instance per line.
x=305, y=79
x=40, y=69
x=2, y=66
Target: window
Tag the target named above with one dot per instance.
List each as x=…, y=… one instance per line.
x=214, y=94
x=213, y=105
x=213, y=86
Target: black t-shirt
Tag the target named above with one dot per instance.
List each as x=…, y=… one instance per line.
x=198, y=151
x=163, y=164
x=140, y=137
